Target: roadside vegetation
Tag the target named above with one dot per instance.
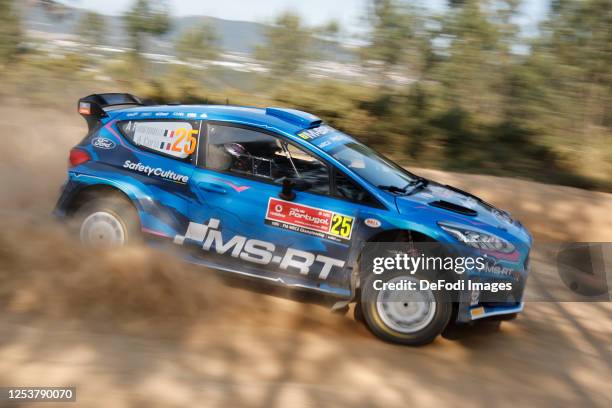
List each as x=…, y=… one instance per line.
x=480, y=94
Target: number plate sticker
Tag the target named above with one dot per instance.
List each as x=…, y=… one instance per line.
x=309, y=220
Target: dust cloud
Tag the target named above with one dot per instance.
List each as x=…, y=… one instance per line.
x=45, y=271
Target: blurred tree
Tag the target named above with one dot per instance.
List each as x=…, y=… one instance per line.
x=54, y=9
x=471, y=62
x=391, y=30
x=327, y=42
x=146, y=17
x=286, y=47
x=91, y=28
x=572, y=59
x=578, y=38
x=331, y=29
x=10, y=31
x=476, y=94
x=198, y=43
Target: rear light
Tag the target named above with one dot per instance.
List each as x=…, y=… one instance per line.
x=78, y=156
x=85, y=108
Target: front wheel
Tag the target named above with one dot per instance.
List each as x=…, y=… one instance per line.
x=409, y=317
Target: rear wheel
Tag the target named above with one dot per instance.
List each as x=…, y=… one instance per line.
x=410, y=317
x=107, y=221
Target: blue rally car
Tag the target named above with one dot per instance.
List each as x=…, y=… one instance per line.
x=277, y=195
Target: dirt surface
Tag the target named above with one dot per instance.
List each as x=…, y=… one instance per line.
x=137, y=328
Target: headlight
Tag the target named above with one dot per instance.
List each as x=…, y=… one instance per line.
x=478, y=239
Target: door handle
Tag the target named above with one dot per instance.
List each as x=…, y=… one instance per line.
x=213, y=188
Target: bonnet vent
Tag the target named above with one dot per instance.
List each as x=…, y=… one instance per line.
x=454, y=208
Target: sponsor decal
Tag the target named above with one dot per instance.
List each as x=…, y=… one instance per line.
x=311, y=134
x=179, y=114
x=176, y=139
x=103, y=143
x=331, y=140
x=474, y=297
x=309, y=220
x=255, y=251
x=372, y=223
x=203, y=115
x=131, y=114
x=192, y=115
x=162, y=113
x=156, y=171
x=499, y=270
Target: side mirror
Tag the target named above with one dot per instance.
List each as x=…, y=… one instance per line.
x=300, y=184
x=287, y=190
x=291, y=184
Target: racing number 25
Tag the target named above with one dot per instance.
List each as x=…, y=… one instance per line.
x=181, y=133
x=341, y=225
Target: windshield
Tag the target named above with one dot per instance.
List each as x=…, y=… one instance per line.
x=373, y=167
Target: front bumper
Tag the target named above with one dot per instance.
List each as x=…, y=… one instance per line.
x=481, y=312
x=480, y=306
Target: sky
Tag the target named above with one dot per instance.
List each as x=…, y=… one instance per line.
x=316, y=12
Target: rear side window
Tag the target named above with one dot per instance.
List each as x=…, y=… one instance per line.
x=174, y=138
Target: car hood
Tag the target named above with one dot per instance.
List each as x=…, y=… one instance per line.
x=452, y=204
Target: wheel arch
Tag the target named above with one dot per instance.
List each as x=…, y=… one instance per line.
x=392, y=235
x=94, y=191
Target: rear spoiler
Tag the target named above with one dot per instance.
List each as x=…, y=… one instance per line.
x=94, y=107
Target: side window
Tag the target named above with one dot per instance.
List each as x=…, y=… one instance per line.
x=349, y=190
x=177, y=139
x=256, y=154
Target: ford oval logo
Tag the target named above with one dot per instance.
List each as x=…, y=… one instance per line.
x=103, y=143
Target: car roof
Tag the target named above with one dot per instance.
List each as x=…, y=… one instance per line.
x=281, y=119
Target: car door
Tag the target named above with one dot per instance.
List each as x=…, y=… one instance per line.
x=157, y=160
x=242, y=222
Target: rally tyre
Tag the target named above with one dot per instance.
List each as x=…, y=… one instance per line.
x=107, y=221
x=358, y=313
x=412, y=318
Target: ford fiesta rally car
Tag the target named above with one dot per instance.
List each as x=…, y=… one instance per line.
x=277, y=195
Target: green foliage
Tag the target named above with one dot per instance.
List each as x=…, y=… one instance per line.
x=286, y=47
x=91, y=28
x=10, y=31
x=332, y=28
x=146, y=17
x=198, y=43
x=391, y=30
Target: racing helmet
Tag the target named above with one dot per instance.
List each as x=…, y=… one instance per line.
x=241, y=158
